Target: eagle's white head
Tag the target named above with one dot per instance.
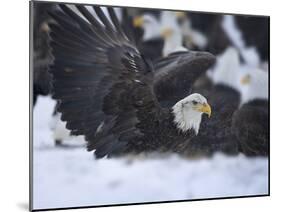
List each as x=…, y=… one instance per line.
x=253, y=85
x=150, y=25
x=167, y=28
x=227, y=69
x=188, y=112
x=171, y=33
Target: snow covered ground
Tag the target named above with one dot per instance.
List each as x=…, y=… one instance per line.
x=72, y=177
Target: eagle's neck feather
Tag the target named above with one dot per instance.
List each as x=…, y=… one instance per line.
x=186, y=118
x=173, y=44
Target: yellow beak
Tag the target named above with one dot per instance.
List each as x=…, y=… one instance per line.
x=138, y=21
x=205, y=108
x=166, y=33
x=245, y=79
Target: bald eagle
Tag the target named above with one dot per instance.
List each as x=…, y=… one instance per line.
x=161, y=36
x=149, y=39
x=105, y=89
x=250, y=122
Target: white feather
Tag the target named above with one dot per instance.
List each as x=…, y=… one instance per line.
x=151, y=27
x=172, y=43
x=249, y=54
x=193, y=36
x=257, y=88
x=61, y=133
x=186, y=118
x=227, y=69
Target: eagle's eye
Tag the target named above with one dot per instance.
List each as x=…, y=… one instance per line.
x=194, y=102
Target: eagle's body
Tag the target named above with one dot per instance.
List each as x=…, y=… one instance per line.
x=155, y=133
x=215, y=135
x=224, y=96
x=251, y=127
x=105, y=88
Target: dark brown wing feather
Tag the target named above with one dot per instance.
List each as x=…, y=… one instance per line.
x=99, y=78
x=175, y=74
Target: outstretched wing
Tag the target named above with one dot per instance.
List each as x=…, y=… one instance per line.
x=176, y=73
x=100, y=79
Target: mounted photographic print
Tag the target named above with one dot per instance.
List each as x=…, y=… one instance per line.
x=138, y=105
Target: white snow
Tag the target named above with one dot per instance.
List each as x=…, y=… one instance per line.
x=72, y=177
